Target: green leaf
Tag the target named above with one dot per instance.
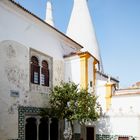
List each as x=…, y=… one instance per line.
x=68, y=102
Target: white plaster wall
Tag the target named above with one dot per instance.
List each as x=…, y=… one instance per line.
x=101, y=93
x=72, y=69
x=58, y=71
x=125, y=125
x=103, y=126
x=126, y=110
x=14, y=60
x=18, y=33
x=15, y=76
x=119, y=125
x=29, y=32
x=123, y=117
x=90, y=74
x=126, y=103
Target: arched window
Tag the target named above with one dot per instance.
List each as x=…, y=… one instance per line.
x=35, y=70
x=45, y=73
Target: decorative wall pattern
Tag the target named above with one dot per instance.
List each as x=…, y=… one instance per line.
x=16, y=76
x=76, y=136
x=106, y=137
x=10, y=51
x=22, y=111
x=112, y=137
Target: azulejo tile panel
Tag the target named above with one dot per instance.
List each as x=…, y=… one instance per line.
x=112, y=137
x=22, y=111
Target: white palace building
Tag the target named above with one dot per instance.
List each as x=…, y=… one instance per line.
x=35, y=56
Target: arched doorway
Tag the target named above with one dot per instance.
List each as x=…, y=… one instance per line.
x=31, y=129
x=90, y=133
x=37, y=128
x=54, y=129
x=43, y=129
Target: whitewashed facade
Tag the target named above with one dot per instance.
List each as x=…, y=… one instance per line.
x=23, y=38
x=23, y=35
x=121, y=121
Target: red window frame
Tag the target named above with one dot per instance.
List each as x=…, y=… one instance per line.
x=45, y=73
x=35, y=69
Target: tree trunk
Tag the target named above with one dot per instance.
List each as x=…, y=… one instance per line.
x=72, y=129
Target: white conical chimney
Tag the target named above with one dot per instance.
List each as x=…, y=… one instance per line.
x=81, y=29
x=49, y=17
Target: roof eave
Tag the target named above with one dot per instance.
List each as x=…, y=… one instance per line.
x=77, y=45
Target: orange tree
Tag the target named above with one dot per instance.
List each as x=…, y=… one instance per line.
x=68, y=102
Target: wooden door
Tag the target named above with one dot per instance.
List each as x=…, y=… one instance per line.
x=123, y=138
x=90, y=133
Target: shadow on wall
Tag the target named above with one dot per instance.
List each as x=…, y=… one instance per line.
x=15, y=64
x=68, y=70
x=103, y=126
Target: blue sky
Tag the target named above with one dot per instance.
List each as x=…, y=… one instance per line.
x=117, y=25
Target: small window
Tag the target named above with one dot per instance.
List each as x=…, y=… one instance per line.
x=36, y=76
x=90, y=83
x=45, y=73
x=42, y=79
x=35, y=70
